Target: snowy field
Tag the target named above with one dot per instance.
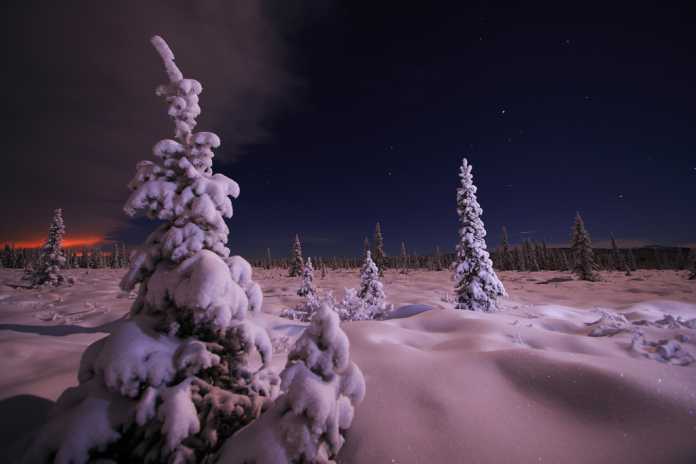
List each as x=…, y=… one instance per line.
x=527, y=384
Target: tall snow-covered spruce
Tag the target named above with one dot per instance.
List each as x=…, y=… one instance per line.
x=52, y=258
x=180, y=375
x=583, y=256
x=477, y=286
x=308, y=422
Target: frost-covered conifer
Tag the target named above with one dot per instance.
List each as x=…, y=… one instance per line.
x=404, y=259
x=307, y=289
x=115, y=257
x=520, y=264
x=323, y=268
x=618, y=260
x=371, y=289
x=633, y=264
x=476, y=284
x=52, y=257
x=84, y=258
x=174, y=380
x=546, y=259
x=531, y=257
x=296, y=261
x=438, y=259
x=583, y=255
x=96, y=258
x=378, y=252
x=366, y=246
x=320, y=389
x=269, y=261
x=505, y=255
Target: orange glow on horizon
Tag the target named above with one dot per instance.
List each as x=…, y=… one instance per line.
x=68, y=242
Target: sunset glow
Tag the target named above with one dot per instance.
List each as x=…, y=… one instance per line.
x=69, y=242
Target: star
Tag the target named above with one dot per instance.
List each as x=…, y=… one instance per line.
x=620, y=196
x=502, y=111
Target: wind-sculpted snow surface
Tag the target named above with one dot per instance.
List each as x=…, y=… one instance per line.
x=524, y=384
x=509, y=387
x=308, y=422
x=179, y=371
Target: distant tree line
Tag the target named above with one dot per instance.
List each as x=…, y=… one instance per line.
x=85, y=258
x=529, y=255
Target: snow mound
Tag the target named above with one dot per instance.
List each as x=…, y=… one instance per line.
x=408, y=311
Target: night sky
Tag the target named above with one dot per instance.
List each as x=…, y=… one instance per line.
x=336, y=115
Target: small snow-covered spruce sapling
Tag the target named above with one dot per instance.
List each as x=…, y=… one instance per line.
x=320, y=389
x=477, y=286
x=296, y=261
x=52, y=257
x=583, y=256
x=175, y=379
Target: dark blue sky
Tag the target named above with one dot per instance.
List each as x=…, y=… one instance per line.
x=335, y=117
x=557, y=109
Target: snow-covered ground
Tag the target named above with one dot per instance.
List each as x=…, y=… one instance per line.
x=526, y=384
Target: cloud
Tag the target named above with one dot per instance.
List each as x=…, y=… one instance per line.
x=82, y=104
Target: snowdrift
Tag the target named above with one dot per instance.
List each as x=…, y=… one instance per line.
x=446, y=386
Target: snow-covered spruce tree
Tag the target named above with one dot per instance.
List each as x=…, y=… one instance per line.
x=547, y=259
x=477, y=286
x=52, y=258
x=115, y=257
x=296, y=261
x=505, y=255
x=438, y=258
x=307, y=289
x=366, y=246
x=269, y=261
x=378, y=252
x=371, y=289
x=632, y=260
x=583, y=255
x=175, y=379
x=404, y=259
x=322, y=266
x=617, y=258
x=520, y=265
x=320, y=389
x=531, y=257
